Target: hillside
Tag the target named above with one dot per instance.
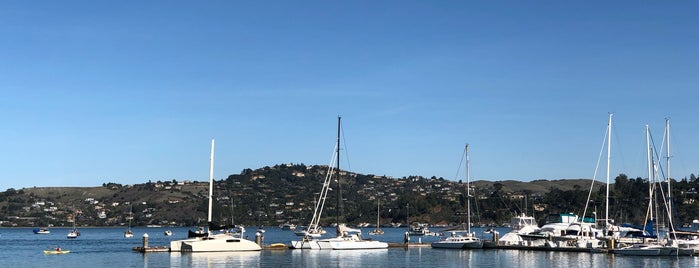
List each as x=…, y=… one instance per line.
x=287, y=194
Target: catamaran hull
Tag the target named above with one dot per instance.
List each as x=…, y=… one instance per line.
x=458, y=245
x=213, y=245
x=305, y=244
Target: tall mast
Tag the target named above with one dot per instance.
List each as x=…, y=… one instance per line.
x=650, y=172
x=609, y=150
x=468, y=193
x=211, y=179
x=669, y=190
x=378, y=213
x=337, y=170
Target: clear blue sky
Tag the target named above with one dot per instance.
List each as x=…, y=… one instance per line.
x=131, y=91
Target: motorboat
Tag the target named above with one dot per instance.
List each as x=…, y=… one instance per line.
x=41, y=231
x=459, y=239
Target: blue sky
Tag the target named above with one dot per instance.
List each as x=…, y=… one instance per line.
x=131, y=91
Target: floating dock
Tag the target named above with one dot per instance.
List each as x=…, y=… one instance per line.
x=151, y=249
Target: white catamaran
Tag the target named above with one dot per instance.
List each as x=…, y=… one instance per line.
x=222, y=242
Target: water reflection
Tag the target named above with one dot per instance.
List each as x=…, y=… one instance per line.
x=215, y=259
x=339, y=258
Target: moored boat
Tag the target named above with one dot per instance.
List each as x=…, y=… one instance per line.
x=222, y=242
x=461, y=237
x=73, y=234
x=41, y=231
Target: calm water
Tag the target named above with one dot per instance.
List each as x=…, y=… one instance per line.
x=106, y=247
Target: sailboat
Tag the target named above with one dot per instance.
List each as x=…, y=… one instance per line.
x=128, y=233
x=462, y=238
x=347, y=238
x=221, y=242
x=73, y=233
x=378, y=230
x=655, y=247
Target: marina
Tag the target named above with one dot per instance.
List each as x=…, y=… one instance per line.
x=107, y=247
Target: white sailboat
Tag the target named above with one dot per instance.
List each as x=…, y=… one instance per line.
x=128, y=233
x=378, y=230
x=347, y=238
x=74, y=233
x=222, y=242
x=655, y=247
x=462, y=238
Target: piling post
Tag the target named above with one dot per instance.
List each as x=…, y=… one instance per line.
x=258, y=238
x=145, y=241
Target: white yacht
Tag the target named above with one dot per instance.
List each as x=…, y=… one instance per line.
x=521, y=225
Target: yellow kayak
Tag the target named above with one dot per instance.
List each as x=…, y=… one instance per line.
x=56, y=251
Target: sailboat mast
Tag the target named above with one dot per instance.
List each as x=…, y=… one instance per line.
x=378, y=215
x=337, y=170
x=211, y=179
x=669, y=190
x=468, y=193
x=609, y=150
x=650, y=172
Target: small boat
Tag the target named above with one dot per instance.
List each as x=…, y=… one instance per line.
x=378, y=230
x=418, y=229
x=41, y=231
x=288, y=226
x=54, y=251
x=128, y=233
x=73, y=234
x=200, y=232
x=167, y=233
x=311, y=232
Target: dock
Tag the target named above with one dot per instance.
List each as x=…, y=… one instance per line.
x=151, y=249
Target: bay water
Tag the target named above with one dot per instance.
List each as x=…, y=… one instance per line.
x=106, y=247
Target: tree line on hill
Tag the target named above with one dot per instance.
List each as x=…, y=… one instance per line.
x=288, y=193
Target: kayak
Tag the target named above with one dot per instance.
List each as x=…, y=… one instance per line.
x=56, y=252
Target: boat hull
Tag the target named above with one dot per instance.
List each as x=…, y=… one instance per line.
x=348, y=245
x=458, y=245
x=308, y=244
x=56, y=252
x=214, y=244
